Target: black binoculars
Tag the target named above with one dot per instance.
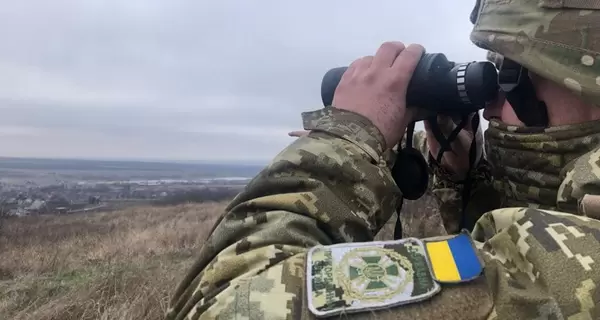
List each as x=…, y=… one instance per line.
x=438, y=86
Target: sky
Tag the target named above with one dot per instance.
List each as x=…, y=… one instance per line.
x=190, y=80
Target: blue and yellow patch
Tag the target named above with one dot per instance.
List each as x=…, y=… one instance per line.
x=454, y=260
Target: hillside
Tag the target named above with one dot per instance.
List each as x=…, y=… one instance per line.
x=118, y=265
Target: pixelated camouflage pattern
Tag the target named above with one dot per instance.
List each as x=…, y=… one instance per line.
x=549, y=168
x=358, y=130
x=448, y=192
x=326, y=294
x=494, y=58
x=582, y=178
x=354, y=277
x=540, y=264
x=330, y=186
x=557, y=39
x=324, y=190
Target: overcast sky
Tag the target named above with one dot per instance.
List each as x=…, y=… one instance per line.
x=190, y=80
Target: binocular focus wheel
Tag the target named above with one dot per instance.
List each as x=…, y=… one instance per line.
x=411, y=173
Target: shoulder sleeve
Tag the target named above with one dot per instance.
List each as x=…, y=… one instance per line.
x=541, y=264
x=330, y=186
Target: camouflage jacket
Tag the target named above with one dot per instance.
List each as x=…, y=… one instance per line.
x=448, y=193
x=333, y=187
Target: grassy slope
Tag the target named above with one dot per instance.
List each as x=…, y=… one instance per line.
x=119, y=265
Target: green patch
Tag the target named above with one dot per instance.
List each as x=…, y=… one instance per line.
x=357, y=277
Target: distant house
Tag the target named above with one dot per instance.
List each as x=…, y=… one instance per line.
x=62, y=210
x=57, y=201
x=37, y=206
x=94, y=200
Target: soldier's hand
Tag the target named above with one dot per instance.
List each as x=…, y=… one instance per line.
x=456, y=162
x=375, y=87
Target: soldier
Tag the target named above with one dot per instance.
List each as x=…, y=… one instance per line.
x=549, y=166
x=297, y=242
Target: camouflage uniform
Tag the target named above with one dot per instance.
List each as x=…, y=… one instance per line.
x=528, y=167
x=447, y=190
x=533, y=167
x=334, y=186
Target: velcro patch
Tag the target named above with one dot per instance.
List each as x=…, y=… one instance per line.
x=355, y=277
x=454, y=259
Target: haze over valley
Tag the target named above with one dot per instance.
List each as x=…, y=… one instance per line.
x=41, y=186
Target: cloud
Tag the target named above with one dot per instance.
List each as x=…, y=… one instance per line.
x=190, y=79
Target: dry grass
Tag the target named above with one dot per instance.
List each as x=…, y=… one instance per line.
x=118, y=265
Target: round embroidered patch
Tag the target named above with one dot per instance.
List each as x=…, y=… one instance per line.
x=374, y=273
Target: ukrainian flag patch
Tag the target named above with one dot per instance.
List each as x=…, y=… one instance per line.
x=454, y=259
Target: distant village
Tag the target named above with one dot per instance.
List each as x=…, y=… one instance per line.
x=74, y=197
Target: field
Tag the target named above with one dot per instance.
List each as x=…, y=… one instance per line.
x=119, y=265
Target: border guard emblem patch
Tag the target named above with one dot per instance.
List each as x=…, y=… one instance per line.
x=354, y=277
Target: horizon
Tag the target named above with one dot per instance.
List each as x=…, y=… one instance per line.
x=144, y=160
x=215, y=161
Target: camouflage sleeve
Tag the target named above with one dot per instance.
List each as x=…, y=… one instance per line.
x=330, y=186
x=448, y=193
x=331, y=191
x=527, y=264
x=540, y=264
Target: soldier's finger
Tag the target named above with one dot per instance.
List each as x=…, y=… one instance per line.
x=351, y=68
x=355, y=66
x=386, y=54
x=298, y=133
x=427, y=125
x=405, y=64
x=365, y=62
x=446, y=124
x=469, y=121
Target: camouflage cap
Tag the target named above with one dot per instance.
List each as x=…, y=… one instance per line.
x=557, y=39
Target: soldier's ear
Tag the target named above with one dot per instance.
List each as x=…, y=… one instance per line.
x=475, y=12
